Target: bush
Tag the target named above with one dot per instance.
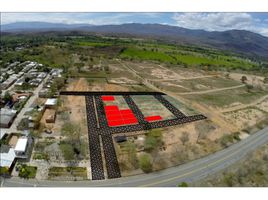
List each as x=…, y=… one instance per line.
x=4, y=172
x=153, y=140
x=27, y=171
x=183, y=184
x=145, y=163
x=68, y=151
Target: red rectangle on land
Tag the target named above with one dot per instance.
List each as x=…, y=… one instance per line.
x=107, y=98
x=115, y=123
x=113, y=117
x=129, y=116
x=112, y=112
x=126, y=112
x=153, y=118
x=111, y=108
x=130, y=121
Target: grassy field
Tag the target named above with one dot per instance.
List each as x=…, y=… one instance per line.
x=93, y=44
x=76, y=172
x=146, y=55
x=209, y=83
x=188, y=59
x=227, y=97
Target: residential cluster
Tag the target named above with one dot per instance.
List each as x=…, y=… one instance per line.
x=21, y=84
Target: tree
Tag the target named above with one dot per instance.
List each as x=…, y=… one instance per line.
x=79, y=66
x=184, y=137
x=27, y=79
x=153, y=140
x=183, y=184
x=145, y=163
x=244, y=79
x=249, y=87
x=72, y=132
x=7, y=97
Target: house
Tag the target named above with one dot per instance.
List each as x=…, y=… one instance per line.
x=7, y=158
x=50, y=115
x=9, y=82
x=6, y=117
x=43, y=93
x=20, y=82
x=21, y=146
x=51, y=103
x=56, y=73
x=2, y=134
x=42, y=75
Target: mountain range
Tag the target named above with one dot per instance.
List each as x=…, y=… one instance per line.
x=239, y=41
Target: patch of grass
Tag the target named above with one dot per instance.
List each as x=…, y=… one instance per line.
x=227, y=97
x=4, y=171
x=27, y=171
x=40, y=156
x=93, y=44
x=68, y=151
x=146, y=55
x=67, y=171
x=40, y=146
x=192, y=58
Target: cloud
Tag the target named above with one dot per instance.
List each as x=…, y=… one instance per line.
x=220, y=22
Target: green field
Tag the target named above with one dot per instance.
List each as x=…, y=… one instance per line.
x=227, y=97
x=93, y=44
x=76, y=172
x=188, y=59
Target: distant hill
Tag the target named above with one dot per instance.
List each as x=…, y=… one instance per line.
x=38, y=26
x=239, y=41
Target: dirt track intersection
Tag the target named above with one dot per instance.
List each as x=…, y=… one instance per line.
x=104, y=120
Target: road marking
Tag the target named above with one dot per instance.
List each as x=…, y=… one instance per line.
x=196, y=170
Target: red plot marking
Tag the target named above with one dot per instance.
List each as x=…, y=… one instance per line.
x=129, y=116
x=130, y=121
x=114, y=117
x=153, y=118
x=115, y=123
x=110, y=108
x=112, y=112
x=107, y=98
x=126, y=112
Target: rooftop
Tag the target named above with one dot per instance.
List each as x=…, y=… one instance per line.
x=51, y=102
x=7, y=158
x=21, y=144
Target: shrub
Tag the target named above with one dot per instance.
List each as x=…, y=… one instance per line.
x=145, y=163
x=153, y=140
x=183, y=184
x=27, y=171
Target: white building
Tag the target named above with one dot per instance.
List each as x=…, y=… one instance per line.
x=7, y=158
x=21, y=146
x=51, y=103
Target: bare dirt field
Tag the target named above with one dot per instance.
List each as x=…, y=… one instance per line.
x=246, y=117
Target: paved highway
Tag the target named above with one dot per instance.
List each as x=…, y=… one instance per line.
x=189, y=172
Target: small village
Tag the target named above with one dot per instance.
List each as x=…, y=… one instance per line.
x=22, y=84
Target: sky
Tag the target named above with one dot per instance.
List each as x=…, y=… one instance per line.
x=255, y=22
